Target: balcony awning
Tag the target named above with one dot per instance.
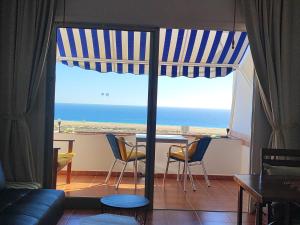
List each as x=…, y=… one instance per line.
x=182, y=52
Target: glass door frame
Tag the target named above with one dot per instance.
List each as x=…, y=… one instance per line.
x=151, y=106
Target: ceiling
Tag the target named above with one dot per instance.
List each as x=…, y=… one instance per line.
x=188, y=14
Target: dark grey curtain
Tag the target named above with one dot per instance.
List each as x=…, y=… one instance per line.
x=274, y=34
x=260, y=129
x=25, y=35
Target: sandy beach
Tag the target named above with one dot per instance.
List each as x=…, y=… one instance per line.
x=95, y=127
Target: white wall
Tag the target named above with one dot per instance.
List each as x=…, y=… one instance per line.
x=224, y=156
x=245, y=160
x=92, y=151
x=242, y=100
x=242, y=108
x=195, y=14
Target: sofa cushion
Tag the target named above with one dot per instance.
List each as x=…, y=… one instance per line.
x=10, y=196
x=24, y=206
x=18, y=220
x=2, y=178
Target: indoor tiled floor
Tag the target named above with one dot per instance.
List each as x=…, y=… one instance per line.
x=221, y=196
x=169, y=217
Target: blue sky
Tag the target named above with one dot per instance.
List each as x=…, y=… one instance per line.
x=75, y=85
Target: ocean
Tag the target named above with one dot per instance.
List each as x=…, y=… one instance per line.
x=213, y=118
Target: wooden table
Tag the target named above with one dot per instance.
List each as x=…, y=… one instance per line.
x=265, y=189
x=173, y=139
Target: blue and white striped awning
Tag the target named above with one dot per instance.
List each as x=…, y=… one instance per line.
x=182, y=52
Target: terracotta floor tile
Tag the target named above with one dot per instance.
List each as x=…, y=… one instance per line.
x=166, y=217
x=221, y=196
x=247, y=218
x=206, y=216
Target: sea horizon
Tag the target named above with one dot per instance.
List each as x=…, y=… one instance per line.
x=162, y=106
x=173, y=116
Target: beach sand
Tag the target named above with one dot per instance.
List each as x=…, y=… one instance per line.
x=101, y=127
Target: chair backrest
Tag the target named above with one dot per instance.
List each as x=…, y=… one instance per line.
x=2, y=178
x=279, y=157
x=201, y=148
x=113, y=141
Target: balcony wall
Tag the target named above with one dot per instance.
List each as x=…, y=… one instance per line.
x=225, y=156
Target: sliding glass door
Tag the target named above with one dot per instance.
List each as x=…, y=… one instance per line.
x=106, y=87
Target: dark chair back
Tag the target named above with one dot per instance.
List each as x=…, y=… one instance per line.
x=2, y=178
x=114, y=145
x=280, y=157
x=201, y=148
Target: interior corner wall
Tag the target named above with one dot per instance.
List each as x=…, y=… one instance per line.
x=192, y=14
x=242, y=100
x=249, y=120
x=241, y=117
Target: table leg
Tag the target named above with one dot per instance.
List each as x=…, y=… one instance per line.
x=185, y=166
x=270, y=218
x=145, y=216
x=259, y=207
x=287, y=214
x=69, y=167
x=135, y=175
x=240, y=206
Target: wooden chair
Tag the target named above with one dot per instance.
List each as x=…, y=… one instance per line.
x=280, y=162
x=63, y=159
x=279, y=157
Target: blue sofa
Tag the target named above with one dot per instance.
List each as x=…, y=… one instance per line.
x=29, y=206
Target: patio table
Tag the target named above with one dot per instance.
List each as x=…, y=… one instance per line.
x=163, y=138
